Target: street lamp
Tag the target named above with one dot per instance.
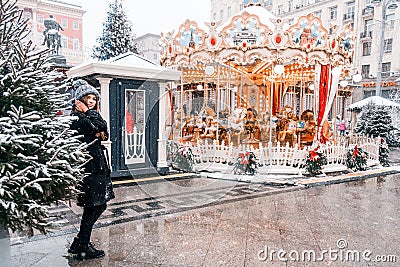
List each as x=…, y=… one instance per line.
x=386, y=4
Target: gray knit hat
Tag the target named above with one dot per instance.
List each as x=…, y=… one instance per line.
x=82, y=88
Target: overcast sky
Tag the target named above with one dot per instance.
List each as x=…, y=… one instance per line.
x=148, y=16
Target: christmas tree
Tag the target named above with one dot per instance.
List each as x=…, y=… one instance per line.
x=246, y=163
x=117, y=36
x=40, y=157
x=315, y=161
x=374, y=121
x=183, y=158
x=357, y=159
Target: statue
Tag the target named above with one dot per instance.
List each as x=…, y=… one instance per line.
x=51, y=36
x=236, y=118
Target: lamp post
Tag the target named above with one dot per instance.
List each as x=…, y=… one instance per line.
x=385, y=4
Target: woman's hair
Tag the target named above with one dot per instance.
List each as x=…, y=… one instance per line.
x=84, y=100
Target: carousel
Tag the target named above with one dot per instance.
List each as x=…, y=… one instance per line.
x=258, y=81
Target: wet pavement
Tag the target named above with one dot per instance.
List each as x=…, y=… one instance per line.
x=209, y=222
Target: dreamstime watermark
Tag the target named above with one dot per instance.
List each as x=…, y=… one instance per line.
x=340, y=253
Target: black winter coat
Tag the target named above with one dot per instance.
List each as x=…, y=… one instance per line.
x=96, y=188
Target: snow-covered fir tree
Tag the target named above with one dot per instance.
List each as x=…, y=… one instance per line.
x=40, y=157
x=117, y=36
x=374, y=121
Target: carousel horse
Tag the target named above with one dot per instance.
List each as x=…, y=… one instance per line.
x=308, y=131
x=214, y=130
x=327, y=131
x=252, y=126
x=207, y=112
x=236, y=118
x=287, y=131
x=287, y=126
x=188, y=129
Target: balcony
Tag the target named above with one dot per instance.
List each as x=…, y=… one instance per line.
x=366, y=34
x=348, y=16
x=367, y=12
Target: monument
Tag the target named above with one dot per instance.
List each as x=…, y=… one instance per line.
x=52, y=39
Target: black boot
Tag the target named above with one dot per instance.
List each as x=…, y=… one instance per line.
x=86, y=252
x=73, y=249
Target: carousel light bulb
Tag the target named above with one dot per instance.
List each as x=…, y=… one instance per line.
x=344, y=83
x=311, y=86
x=199, y=87
x=279, y=69
x=357, y=77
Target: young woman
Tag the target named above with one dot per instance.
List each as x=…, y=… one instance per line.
x=96, y=188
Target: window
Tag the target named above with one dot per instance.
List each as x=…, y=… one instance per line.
x=280, y=9
x=215, y=16
x=241, y=7
x=64, y=42
x=366, y=48
x=368, y=25
x=229, y=11
x=75, y=25
x=27, y=15
x=64, y=23
x=386, y=69
x=318, y=13
x=333, y=11
x=76, y=44
x=135, y=126
x=40, y=18
x=221, y=14
x=365, y=71
x=351, y=7
x=350, y=11
x=388, y=45
x=303, y=3
x=390, y=19
x=290, y=5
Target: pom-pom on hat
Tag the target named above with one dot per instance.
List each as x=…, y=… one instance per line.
x=82, y=88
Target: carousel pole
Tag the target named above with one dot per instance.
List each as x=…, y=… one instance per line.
x=216, y=99
x=335, y=112
x=301, y=91
x=181, y=110
x=270, y=109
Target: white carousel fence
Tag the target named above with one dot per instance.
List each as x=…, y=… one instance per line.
x=280, y=159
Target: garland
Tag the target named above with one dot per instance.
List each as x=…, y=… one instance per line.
x=357, y=159
x=314, y=162
x=246, y=163
x=183, y=158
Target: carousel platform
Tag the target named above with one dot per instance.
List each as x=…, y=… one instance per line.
x=302, y=180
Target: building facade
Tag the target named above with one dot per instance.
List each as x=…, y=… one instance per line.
x=148, y=47
x=68, y=14
x=365, y=16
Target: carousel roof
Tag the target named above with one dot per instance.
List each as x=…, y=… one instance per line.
x=257, y=39
x=263, y=14
x=377, y=100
